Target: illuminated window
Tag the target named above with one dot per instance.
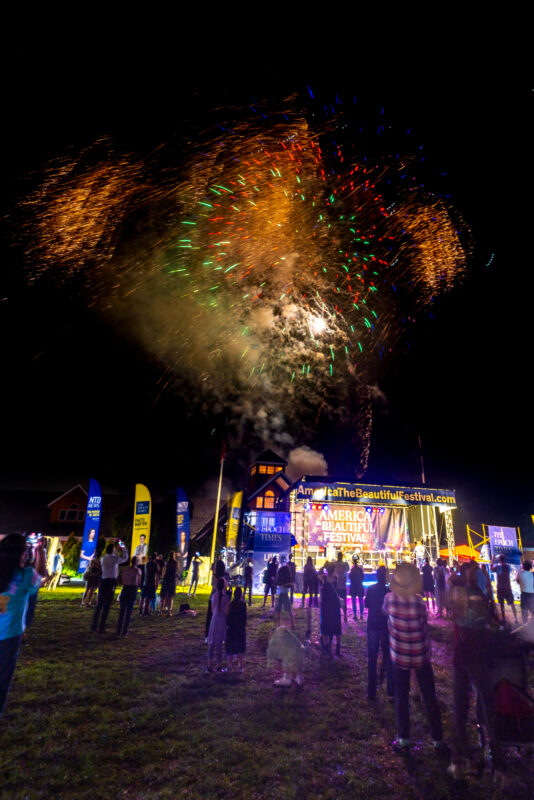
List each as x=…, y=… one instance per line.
x=259, y=502
x=271, y=470
x=263, y=469
x=253, y=471
x=268, y=500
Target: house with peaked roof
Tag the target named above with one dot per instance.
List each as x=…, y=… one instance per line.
x=70, y=506
x=268, y=489
x=269, y=485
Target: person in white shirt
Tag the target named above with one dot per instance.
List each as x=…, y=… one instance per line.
x=420, y=553
x=110, y=573
x=525, y=579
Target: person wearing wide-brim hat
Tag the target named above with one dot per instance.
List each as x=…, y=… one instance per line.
x=410, y=649
x=406, y=580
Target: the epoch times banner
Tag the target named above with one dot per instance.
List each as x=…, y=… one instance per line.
x=504, y=540
x=354, y=527
x=272, y=537
x=182, y=527
x=141, y=521
x=92, y=524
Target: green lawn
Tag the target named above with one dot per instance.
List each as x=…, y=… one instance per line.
x=98, y=717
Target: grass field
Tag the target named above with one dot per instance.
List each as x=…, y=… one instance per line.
x=136, y=718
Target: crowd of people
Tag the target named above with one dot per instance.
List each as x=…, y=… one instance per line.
x=397, y=609
x=152, y=580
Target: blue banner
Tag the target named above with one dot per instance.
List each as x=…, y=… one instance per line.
x=504, y=541
x=92, y=525
x=272, y=537
x=272, y=531
x=182, y=528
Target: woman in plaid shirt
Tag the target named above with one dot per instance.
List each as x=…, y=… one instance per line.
x=410, y=649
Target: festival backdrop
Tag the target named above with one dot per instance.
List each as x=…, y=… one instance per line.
x=234, y=519
x=92, y=525
x=355, y=527
x=272, y=537
x=142, y=514
x=182, y=526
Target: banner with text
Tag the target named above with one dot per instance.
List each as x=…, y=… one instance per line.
x=356, y=528
x=141, y=522
x=272, y=537
x=92, y=525
x=182, y=528
x=233, y=520
x=504, y=540
x=372, y=495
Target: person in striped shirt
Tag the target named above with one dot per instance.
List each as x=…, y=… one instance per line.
x=410, y=650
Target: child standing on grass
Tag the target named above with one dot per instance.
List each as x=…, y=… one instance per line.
x=217, y=632
x=236, y=630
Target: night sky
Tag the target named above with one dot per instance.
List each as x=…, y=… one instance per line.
x=80, y=398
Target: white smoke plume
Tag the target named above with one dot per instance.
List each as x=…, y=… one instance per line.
x=305, y=461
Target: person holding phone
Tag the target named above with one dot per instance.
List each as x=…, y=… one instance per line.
x=17, y=584
x=110, y=573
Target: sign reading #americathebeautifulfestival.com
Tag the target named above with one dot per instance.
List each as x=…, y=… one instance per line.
x=370, y=494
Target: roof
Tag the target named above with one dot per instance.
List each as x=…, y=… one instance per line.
x=72, y=489
x=269, y=457
x=270, y=480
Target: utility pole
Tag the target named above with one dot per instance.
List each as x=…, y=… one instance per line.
x=216, y=521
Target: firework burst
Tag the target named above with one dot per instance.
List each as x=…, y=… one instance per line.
x=268, y=269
